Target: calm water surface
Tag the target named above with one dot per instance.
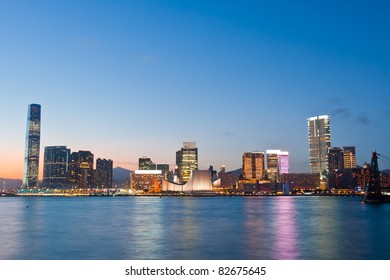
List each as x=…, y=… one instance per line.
x=193, y=228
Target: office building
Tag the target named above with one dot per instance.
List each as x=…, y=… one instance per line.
x=349, y=157
x=55, y=167
x=253, y=166
x=103, y=173
x=319, y=142
x=335, y=159
x=81, y=170
x=146, y=163
x=164, y=167
x=277, y=163
x=33, y=136
x=147, y=181
x=186, y=161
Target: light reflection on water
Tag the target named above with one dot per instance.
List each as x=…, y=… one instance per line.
x=193, y=228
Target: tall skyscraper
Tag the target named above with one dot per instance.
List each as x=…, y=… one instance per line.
x=349, y=157
x=55, y=166
x=33, y=137
x=186, y=160
x=81, y=169
x=319, y=143
x=253, y=165
x=103, y=178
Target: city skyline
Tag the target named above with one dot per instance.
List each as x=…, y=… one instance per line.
x=126, y=80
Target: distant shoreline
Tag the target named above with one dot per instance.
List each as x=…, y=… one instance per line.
x=181, y=195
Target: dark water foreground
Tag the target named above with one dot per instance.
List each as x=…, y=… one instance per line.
x=120, y=228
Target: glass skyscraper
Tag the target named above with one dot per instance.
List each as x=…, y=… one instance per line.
x=277, y=164
x=319, y=143
x=187, y=160
x=33, y=137
x=55, y=166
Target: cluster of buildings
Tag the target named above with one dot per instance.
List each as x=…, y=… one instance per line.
x=331, y=168
x=61, y=167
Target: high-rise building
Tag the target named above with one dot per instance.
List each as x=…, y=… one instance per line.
x=335, y=165
x=55, y=166
x=146, y=163
x=186, y=160
x=349, y=157
x=253, y=165
x=103, y=174
x=319, y=143
x=283, y=163
x=335, y=159
x=81, y=169
x=277, y=164
x=33, y=137
x=273, y=164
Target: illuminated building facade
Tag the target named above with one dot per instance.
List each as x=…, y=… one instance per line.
x=146, y=163
x=228, y=180
x=301, y=181
x=148, y=181
x=277, y=163
x=253, y=165
x=33, y=137
x=199, y=182
x=55, y=167
x=186, y=161
x=103, y=174
x=81, y=169
x=349, y=157
x=319, y=142
x=284, y=166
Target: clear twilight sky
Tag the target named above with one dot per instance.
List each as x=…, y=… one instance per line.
x=126, y=79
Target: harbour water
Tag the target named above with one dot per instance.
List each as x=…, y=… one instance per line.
x=185, y=228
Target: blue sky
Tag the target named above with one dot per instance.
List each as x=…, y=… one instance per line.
x=126, y=79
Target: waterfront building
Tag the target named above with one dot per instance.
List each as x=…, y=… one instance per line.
x=198, y=182
x=186, y=161
x=301, y=181
x=55, y=167
x=164, y=167
x=147, y=181
x=336, y=166
x=277, y=163
x=335, y=158
x=146, y=163
x=103, y=174
x=33, y=137
x=253, y=165
x=284, y=166
x=319, y=142
x=228, y=180
x=349, y=157
x=81, y=169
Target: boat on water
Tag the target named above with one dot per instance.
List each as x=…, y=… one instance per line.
x=373, y=192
